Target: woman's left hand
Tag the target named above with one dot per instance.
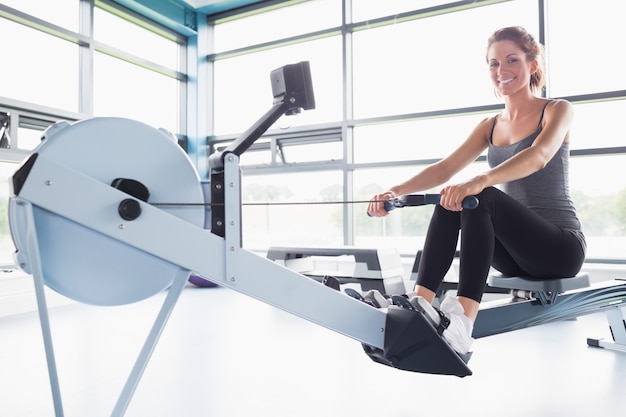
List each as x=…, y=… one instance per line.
x=452, y=196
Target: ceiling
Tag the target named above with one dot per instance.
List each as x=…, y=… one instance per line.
x=175, y=15
x=210, y=7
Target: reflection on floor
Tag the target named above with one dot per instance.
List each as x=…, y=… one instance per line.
x=223, y=354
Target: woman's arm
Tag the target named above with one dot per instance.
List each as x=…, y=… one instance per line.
x=439, y=172
x=556, y=124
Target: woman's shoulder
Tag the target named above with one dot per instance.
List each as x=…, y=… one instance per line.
x=486, y=125
x=556, y=103
x=557, y=106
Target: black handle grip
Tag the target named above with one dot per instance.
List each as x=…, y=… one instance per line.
x=469, y=202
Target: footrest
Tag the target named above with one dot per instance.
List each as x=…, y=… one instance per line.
x=413, y=344
x=544, y=289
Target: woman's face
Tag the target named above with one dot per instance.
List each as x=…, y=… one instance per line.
x=510, y=70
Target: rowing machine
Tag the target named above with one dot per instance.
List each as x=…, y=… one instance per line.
x=96, y=183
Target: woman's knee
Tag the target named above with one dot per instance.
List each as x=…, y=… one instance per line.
x=488, y=195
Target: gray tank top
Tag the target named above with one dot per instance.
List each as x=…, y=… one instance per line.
x=546, y=192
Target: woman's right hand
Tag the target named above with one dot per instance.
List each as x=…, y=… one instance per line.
x=376, y=206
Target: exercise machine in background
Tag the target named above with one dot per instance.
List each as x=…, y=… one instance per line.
x=5, y=123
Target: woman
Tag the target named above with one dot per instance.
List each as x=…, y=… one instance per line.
x=526, y=226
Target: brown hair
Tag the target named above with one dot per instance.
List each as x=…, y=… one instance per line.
x=527, y=43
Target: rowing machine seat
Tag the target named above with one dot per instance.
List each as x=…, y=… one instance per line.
x=545, y=290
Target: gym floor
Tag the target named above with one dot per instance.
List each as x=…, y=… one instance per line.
x=223, y=354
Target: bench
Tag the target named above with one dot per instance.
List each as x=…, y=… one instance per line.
x=372, y=268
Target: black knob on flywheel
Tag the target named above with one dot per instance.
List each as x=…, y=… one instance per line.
x=129, y=209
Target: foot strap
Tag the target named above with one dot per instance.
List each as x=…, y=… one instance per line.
x=444, y=322
x=403, y=301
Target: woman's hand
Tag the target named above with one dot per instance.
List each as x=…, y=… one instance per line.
x=452, y=195
x=376, y=206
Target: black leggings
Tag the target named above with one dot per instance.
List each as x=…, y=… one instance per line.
x=500, y=232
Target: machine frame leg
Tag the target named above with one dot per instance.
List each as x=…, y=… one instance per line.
x=42, y=307
x=617, y=324
x=173, y=295
x=152, y=339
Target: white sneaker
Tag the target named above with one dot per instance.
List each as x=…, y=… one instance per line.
x=458, y=334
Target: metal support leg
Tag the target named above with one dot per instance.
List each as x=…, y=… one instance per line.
x=44, y=319
x=146, y=352
x=617, y=323
x=153, y=337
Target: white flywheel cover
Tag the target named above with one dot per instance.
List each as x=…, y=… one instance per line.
x=88, y=266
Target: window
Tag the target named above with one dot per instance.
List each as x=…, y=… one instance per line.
x=277, y=24
x=51, y=70
x=415, y=89
x=5, y=130
x=46, y=72
x=422, y=139
x=6, y=242
x=601, y=204
x=372, y=9
x=243, y=90
x=598, y=143
x=276, y=149
x=290, y=222
x=406, y=228
x=30, y=131
x=126, y=90
x=422, y=65
x=62, y=13
x=583, y=50
x=136, y=71
x=137, y=40
x=598, y=125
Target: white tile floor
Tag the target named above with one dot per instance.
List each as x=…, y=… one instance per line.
x=225, y=355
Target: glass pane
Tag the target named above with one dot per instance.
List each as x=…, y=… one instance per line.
x=129, y=37
x=259, y=154
x=64, y=13
x=46, y=72
x=243, y=91
x=404, y=229
x=437, y=68
x=126, y=90
x=598, y=125
x=601, y=204
x=299, y=224
x=325, y=151
x=603, y=33
x=277, y=24
x=371, y=9
x=6, y=243
x=28, y=138
x=413, y=140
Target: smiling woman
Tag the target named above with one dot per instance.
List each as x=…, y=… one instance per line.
x=528, y=224
x=505, y=61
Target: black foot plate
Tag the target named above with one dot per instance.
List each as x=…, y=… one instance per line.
x=413, y=344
